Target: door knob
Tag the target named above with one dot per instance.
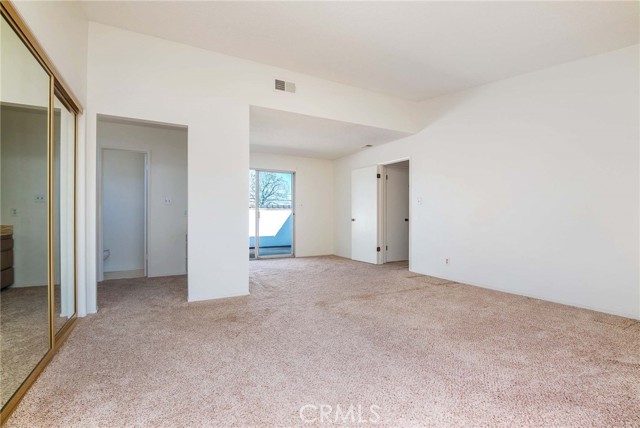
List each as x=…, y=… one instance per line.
x=353, y=219
x=406, y=219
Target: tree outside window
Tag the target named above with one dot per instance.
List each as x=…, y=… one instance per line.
x=275, y=191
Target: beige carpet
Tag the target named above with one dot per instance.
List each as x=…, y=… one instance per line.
x=24, y=333
x=332, y=332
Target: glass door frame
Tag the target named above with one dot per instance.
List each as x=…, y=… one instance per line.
x=257, y=215
x=59, y=335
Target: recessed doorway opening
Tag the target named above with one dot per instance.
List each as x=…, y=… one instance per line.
x=124, y=213
x=395, y=215
x=142, y=199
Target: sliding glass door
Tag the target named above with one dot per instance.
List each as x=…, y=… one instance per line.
x=271, y=214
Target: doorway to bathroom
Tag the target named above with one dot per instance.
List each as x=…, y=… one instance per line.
x=124, y=213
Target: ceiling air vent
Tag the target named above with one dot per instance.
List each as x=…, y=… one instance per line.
x=281, y=85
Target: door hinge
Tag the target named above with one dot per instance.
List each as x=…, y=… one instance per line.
x=377, y=175
x=387, y=176
x=378, y=249
x=386, y=247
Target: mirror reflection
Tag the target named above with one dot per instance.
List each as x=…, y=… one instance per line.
x=63, y=214
x=24, y=213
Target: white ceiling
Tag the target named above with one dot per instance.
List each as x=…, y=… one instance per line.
x=413, y=50
x=281, y=132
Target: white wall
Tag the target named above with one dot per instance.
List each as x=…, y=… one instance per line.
x=217, y=156
x=313, y=199
x=24, y=86
x=530, y=185
x=133, y=84
x=61, y=29
x=23, y=81
x=141, y=77
x=123, y=210
x=24, y=175
x=487, y=165
x=153, y=63
x=167, y=224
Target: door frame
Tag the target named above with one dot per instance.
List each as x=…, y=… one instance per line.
x=257, y=215
x=382, y=208
x=100, y=216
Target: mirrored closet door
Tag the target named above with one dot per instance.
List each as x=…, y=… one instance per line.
x=37, y=211
x=24, y=166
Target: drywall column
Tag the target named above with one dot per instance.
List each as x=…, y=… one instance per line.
x=218, y=157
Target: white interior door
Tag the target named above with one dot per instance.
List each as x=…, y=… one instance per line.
x=364, y=214
x=397, y=214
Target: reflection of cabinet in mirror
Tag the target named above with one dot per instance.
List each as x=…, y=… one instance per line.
x=6, y=256
x=37, y=209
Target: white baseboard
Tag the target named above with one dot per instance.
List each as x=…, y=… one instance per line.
x=138, y=273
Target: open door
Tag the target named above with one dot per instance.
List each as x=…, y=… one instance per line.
x=364, y=214
x=396, y=212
